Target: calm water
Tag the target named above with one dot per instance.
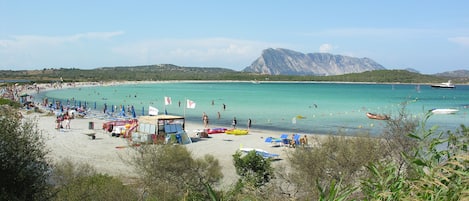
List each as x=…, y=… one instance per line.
x=326, y=107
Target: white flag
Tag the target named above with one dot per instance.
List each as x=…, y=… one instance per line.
x=153, y=110
x=293, y=121
x=167, y=100
x=190, y=104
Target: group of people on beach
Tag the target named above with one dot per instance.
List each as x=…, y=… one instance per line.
x=62, y=119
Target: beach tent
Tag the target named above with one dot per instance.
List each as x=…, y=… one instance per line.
x=166, y=128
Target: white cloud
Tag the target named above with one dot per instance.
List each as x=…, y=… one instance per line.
x=31, y=40
x=325, y=48
x=221, y=52
x=464, y=41
x=27, y=51
x=84, y=50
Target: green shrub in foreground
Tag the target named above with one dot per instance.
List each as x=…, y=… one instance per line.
x=97, y=187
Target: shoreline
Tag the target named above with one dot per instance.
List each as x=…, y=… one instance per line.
x=108, y=154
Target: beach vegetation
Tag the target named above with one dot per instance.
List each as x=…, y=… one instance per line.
x=169, y=172
x=24, y=166
x=96, y=187
x=438, y=165
x=11, y=103
x=253, y=169
x=66, y=171
x=336, y=163
x=255, y=176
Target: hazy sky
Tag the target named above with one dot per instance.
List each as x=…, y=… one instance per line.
x=430, y=36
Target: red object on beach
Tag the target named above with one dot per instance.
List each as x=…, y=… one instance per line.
x=216, y=130
x=110, y=124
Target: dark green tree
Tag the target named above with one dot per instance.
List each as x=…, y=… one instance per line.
x=253, y=168
x=24, y=167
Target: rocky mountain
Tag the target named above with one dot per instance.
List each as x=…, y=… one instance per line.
x=289, y=62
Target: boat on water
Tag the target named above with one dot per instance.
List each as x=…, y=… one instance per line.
x=447, y=85
x=377, y=116
x=255, y=81
x=237, y=131
x=444, y=111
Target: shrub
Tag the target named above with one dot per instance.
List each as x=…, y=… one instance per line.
x=337, y=158
x=23, y=162
x=253, y=168
x=438, y=172
x=96, y=187
x=169, y=172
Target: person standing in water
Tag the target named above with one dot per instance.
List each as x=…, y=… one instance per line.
x=234, y=122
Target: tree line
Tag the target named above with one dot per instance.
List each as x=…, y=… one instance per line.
x=171, y=72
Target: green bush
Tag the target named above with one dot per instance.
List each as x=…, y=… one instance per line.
x=23, y=162
x=97, y=187
x=253, y=168
x=169, y=172
x=337, y=158
x=10, y=103
x=66, y=172
x=438, y=172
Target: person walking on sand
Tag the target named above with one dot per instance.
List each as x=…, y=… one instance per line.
x=67, y=119
x=205, y=120
x=234, y=122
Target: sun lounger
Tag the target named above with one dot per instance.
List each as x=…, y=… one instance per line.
x=296, y=138
x=274, y=141
x=260, y=152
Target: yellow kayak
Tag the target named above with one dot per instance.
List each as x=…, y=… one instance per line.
x=237, y=132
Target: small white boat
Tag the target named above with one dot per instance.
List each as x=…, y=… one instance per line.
x=448, y=85
x=255, y=81
x=444, y=111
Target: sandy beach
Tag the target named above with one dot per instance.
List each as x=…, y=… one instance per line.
x=108, y=154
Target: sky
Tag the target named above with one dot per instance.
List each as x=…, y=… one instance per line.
x=429, y=36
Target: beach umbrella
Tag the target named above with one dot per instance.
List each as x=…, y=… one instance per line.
x=122, y=112
x=143, y=111
x=133, y=112
x=112, y=108
x=95, y=105
x=79, y=103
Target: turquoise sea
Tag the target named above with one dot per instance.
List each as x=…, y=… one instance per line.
x=326, y=108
